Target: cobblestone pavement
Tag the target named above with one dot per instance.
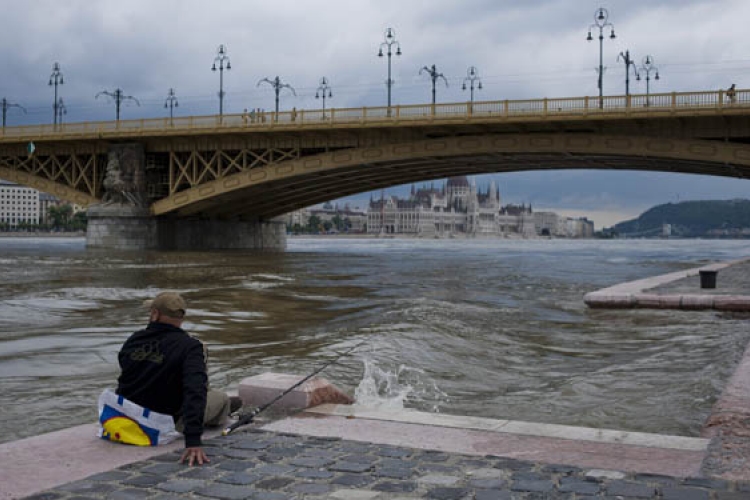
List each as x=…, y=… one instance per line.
x=733, y=280
x=263, y=465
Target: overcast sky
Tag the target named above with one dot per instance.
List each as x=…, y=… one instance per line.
x=523, y=49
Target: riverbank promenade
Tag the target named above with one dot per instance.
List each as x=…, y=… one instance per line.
x=347, y=452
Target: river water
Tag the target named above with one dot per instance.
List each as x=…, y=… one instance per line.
x=491, y=328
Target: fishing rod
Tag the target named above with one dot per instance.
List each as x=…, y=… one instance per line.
x=248, y=418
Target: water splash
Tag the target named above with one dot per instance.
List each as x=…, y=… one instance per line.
x=386, y=389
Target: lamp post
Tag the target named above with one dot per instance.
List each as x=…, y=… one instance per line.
x=7, y=105
x=55, y=79
x=472, y=75
x=171, y=103
x=277, y=86
x=324, y=90
x=220, y=58
x=647, y=66
x=390, y=41
x=119, y=98
x=629, y=64
x=434, y=76
x=601, y=17
x=61, y=110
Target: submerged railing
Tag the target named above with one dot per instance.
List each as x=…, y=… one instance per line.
x=542, y=109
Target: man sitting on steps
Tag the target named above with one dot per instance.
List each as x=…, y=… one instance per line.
x=164, y=369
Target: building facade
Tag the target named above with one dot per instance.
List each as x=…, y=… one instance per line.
x=19, y=205
x=456, y=208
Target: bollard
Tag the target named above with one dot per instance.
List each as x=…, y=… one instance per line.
x=708, y=279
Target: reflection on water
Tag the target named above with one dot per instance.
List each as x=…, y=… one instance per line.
x=489, y=328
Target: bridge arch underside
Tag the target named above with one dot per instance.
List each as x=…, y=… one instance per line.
x=277, y=189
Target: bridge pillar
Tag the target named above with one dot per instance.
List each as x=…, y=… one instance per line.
x=122, y=227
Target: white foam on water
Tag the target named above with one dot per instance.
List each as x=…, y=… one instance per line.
x=391, y=389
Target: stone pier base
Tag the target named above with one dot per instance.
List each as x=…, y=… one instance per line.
x=119, y=227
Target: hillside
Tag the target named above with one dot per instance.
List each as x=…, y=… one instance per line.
x=692, y=219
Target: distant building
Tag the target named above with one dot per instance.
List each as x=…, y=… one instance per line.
x=456, y=207
x=18, y=204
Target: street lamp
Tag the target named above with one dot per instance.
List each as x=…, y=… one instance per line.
x=277, y=86
x=56, y=78
x=601, y=17
x=171, y=103
x=629, y=64
x=220, y=58
x=472, y=75
x=324, y=90
x=61, y=110
x=390, y=41
x=434, y=76
x=7, y=105
x=648, y=66
x=118, y=97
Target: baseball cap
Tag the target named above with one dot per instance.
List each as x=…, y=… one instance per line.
x=170, y=304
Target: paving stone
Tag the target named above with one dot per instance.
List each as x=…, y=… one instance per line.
x=284, y=451
x=393, y=473
x=561, y=469
x=395, y=486
x=129, y=494
x=488, y=484
x=492, y=495
x=146, y=480
x=533, y=486
x=353, y=480
x=95, y=488
x=360, y=458
x=172, y=457
x=476, y=464
x=224, y=492
x=181, y=485
x=238, y=453
x=350, y=467
x=312, y=488
x=705, y=482
x=167, y=496
x=656, y=478
x=447, y=493
x=251, y=445
x=322, y=453
x=439, y=480
x=630, y=489
x=510, y=464
x=432, y=456
x=443, y=469
x=391, y=463
x=236, y=465
x=743, y=486
x=393, y=452
x=350, y=494
x=486, y=474
x=47, y=495
x=599, y=474
x=269, y=495
x=273, y=470
x=313, y=474
x=203, y=473
x=578, y=486
x=113, y=475
x=724, y=495
x=324, y=439
x=315, y=463
x=273, y=483
x=670, y=493
x=240, y=478
x=163, y=469
x=528, y=476
x=350, y=447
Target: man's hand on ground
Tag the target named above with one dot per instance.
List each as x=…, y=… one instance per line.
x=194, y=455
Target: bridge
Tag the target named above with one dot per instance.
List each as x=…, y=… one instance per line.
x=188, y=176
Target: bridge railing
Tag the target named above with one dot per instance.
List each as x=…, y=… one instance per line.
x=546, y=108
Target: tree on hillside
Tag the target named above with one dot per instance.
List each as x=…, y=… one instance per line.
x=59, y=216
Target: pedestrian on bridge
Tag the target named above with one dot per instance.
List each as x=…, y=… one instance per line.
x=732, y=94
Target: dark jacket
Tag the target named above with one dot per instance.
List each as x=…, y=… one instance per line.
x=164, y=370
